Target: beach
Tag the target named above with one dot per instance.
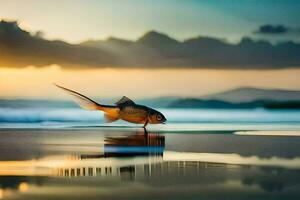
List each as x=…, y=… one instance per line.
x=96, y=162
x=172, y=100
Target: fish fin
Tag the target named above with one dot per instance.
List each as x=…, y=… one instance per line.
x=82, y=100
x=125, y=101
x=109, y=118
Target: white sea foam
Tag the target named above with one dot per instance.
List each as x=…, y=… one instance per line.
x=173, y=115
x=192, y=119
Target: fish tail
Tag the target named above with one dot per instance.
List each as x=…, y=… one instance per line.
x=83, y=101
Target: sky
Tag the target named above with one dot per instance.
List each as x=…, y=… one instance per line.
x=37, y=83
x=77, y=20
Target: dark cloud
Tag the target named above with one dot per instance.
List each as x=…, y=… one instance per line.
x=20, y=48
x=276, y=30
x=272, y=29
x=153, y=50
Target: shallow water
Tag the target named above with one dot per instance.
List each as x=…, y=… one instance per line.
x=123, y=163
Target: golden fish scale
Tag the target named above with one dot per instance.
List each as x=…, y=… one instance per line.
x=133, y=114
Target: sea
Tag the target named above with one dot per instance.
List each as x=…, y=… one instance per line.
x=183, y=119
x=56, y=152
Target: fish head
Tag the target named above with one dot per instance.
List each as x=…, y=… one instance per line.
x=156, y=117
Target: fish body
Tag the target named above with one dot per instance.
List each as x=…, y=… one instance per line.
x=134, y=113
x=124, y=109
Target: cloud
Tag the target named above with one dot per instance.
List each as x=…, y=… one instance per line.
x=272, y=29
x=276, y=30
x=20, y=48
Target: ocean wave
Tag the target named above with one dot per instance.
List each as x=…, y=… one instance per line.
x=32, y=115
x=38, y=115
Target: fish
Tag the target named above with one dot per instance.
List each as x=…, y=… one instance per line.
x=124, y=109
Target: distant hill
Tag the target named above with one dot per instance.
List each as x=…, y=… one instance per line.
x=219, y=104
x=237, y=98
x=158, y=102
x=240, y=98
x=248, y=94
x=243, y=98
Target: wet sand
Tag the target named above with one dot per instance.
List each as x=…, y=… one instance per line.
x=123, y=163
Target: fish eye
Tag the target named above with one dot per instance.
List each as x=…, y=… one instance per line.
x=158, y=117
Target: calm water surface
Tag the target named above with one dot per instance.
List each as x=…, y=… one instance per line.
x=124, y=163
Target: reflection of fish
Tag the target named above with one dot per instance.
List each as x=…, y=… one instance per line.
x=135, y=145
x=124, y=109
x=140, y=144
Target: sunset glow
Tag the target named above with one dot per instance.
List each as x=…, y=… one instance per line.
x=138, y=83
